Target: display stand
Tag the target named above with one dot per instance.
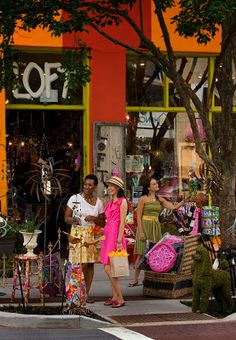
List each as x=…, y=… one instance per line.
x=29, y=276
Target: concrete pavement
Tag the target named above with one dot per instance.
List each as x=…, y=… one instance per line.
x=138, y=310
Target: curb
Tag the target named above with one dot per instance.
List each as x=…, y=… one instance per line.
x=17, y=320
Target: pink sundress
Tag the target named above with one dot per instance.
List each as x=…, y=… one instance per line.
x=112, y=213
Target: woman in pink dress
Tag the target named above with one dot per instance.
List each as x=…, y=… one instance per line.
x=115, y=212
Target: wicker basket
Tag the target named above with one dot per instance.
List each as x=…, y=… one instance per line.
x=173, y=286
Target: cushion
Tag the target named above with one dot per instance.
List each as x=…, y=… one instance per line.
x=162, y=258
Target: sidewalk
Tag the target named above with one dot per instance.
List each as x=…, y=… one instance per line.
x=138, y=310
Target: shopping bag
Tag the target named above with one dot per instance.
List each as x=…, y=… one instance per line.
x=119, y=263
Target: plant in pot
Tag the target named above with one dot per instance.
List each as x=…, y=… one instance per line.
x=8, y=236
x=30, y=231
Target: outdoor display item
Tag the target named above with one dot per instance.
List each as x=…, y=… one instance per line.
x=52, y=274
x=119, y=263
x=75, y=286
x=189, y=213
x=207, y=281
x=210, y=220
x=186, y=218
x=27, y=276
x=30, y=242
x=168, y=285
x=161, y=258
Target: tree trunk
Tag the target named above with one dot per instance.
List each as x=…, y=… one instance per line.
x=227, y=208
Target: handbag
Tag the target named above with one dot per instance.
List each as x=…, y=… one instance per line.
x=119, y=264
x=165, y=215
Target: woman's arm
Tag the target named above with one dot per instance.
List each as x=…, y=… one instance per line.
x=98, y=220
x=170, y=205
x=123, y=214
x=68, y=217
x=140, y=206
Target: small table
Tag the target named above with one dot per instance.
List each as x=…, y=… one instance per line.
x=29, y=269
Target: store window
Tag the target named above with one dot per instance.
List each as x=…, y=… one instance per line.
x=32, y=138
x=217, y=98
x=160, y=144
x=41, y=80
x=195, y=71
x=144, y=82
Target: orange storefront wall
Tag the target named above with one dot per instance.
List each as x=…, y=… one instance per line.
x=30, y=40
x=107, y=102
x=181, y=44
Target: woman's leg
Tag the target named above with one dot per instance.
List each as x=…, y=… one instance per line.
x=88, y=270
x=136, y=271
x=115, y=284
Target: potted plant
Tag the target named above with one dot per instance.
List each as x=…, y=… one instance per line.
x=30, y=231
x=8, y=236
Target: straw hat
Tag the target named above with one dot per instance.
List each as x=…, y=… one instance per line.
x=116, y=181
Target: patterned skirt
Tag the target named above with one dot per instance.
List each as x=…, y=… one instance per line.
x=79, y=253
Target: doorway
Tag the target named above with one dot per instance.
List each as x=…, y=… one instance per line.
x=33, y=138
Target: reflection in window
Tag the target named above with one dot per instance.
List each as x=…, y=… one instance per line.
x=156, y=142
x=150, y=147
x=144, y=82
x=195, y=72
x=216, y=90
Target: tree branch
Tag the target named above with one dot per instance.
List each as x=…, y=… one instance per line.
x=166, y=35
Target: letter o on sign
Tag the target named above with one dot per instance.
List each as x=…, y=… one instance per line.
x=26, y=75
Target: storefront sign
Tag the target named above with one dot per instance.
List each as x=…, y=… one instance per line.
x=134, y=163
x=145, y=119
x=47, y=75
x=108, y=152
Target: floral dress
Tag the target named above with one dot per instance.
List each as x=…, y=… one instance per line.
x=111, y=230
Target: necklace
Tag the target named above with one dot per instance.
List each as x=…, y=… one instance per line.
x=152, y=198
x=91, y=200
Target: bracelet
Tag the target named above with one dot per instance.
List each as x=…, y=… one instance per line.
x=119, y=242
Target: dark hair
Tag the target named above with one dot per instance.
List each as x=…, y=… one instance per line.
x=93, y=178
x=121, y=193
x=147, y=185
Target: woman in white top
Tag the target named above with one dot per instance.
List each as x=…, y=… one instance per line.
x=84, y=211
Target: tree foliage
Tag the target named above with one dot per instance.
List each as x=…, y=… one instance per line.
x=56, y=16
x=200, y=19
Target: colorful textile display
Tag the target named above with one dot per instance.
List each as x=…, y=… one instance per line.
x=75, y=285
x=161, y=258
x=191, y=216
x=210, y=220
x=212, y=244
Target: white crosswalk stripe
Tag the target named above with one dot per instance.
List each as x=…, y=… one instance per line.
x=124, y=333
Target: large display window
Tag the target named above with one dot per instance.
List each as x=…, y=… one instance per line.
x=160, y=141
x=160, y=144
